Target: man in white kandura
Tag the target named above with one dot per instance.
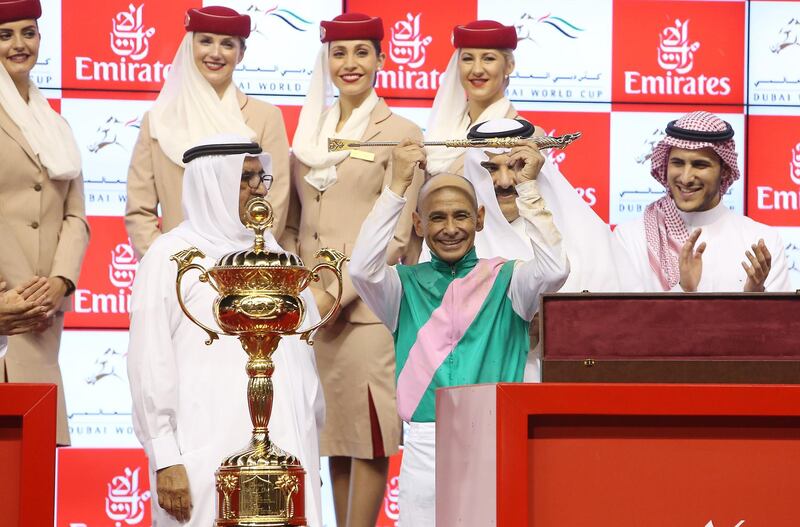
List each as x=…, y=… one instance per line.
x=689, y=240
x=189, y=399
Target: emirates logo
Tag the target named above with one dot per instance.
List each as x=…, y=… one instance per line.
x=130, y=43
x=782, y=199
x=408, y=49
x=125, y=503
x=129, y=38
x=675, y=52
x=121, y=274
x=794, y=165
x=390, y=501
x=407, y=45
x=122, y=269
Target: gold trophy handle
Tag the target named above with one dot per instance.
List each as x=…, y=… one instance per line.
x=334, y=260
x=184, y=261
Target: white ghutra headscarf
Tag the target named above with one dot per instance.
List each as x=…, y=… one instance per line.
x=211, y=201
x=597, y=262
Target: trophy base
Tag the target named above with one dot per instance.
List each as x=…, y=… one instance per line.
x=260, y=486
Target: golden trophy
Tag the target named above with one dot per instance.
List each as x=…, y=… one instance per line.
x=259, y=302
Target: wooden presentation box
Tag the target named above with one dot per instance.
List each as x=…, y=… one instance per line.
x=671, y=338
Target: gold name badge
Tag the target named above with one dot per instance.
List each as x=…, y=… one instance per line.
x=361, y=154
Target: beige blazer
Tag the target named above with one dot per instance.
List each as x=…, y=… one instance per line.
x=334, y=217
x=153, y=179
x=43, y=231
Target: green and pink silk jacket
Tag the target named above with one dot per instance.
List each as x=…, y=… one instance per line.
x=458, y=324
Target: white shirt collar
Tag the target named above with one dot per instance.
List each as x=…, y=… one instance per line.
x=706, y=217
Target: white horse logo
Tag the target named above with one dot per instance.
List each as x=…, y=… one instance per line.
x=646, y=148
x=110, y=364
x=109, y=132
x=789, y=36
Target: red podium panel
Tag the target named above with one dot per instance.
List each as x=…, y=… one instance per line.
x=27, y=453
x=625, y=455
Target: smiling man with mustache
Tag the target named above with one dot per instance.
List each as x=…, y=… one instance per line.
x=689, y=240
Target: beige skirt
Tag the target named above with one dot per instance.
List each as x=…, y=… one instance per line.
x=356, y=367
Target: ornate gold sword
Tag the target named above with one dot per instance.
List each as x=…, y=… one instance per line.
x=562, y=141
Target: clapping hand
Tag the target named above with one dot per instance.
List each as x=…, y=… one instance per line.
x=758, y=270
x=691, y=262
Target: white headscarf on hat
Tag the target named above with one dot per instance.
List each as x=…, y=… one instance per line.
x=318, y=120
x=449, y=118
x=597, y=263
x=46, y=132
x=188, y=108
x=211, y=202
x=498, y=237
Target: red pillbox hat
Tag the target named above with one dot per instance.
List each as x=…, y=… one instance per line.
x=486, y=34
x=218, y=20
x=11, y=11
x=351, y=26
